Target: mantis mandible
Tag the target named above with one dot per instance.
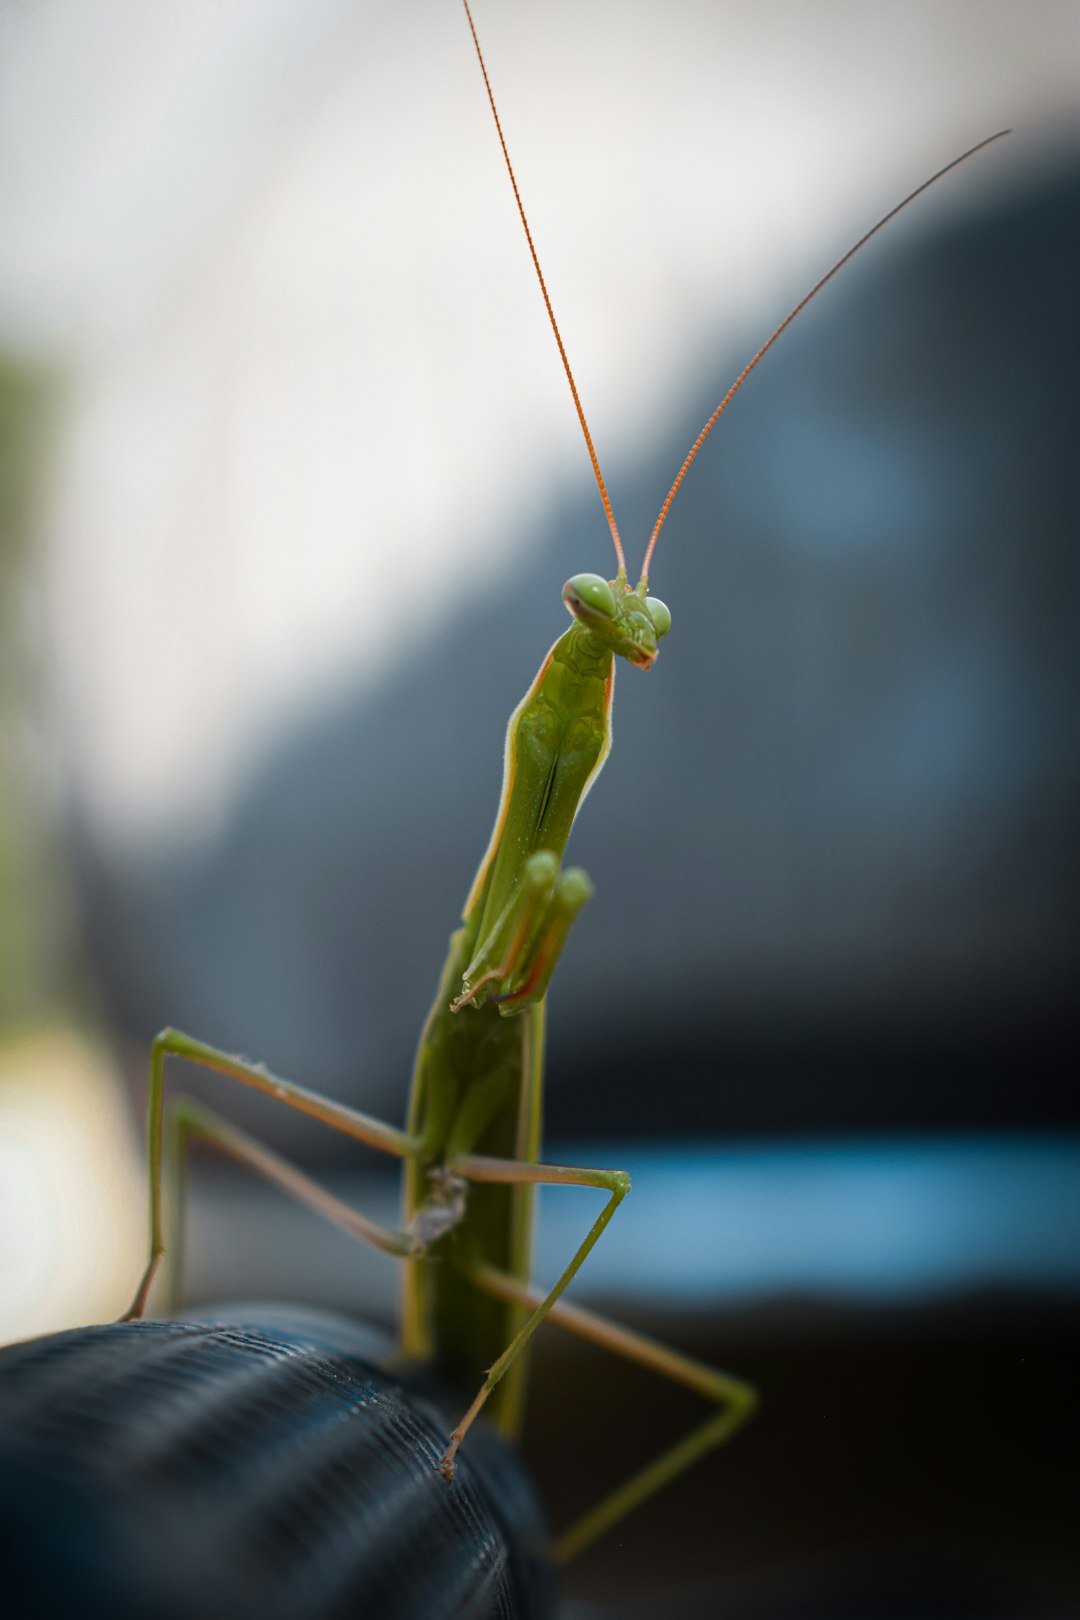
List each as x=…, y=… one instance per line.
x=470, y=1148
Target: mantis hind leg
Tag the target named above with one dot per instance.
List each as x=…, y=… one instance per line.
x=339, y=1117
x=736, y=1402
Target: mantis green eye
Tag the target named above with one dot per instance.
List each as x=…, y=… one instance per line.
x=589, y=594
x=660, y=614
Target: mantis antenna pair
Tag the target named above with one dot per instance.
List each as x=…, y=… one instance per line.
x=470, y=1148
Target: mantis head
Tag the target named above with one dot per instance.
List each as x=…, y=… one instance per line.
x=627, y=621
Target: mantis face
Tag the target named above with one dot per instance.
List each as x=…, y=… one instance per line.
x=627, y=621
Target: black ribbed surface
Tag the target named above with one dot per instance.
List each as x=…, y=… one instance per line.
x=182, y=1469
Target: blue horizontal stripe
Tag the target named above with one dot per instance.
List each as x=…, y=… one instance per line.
x=875, y=1221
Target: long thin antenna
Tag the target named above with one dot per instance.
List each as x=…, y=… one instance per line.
x=547, y=303
x=786, y=322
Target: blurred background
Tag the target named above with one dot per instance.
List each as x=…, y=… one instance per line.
x=289, y=485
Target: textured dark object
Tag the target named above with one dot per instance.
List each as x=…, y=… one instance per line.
x=182, y=1469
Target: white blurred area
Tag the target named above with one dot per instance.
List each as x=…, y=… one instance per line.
x=72, y=1209
x=269, y=251
x=269, y=247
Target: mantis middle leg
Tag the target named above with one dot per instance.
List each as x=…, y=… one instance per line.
x=339, y=1117
x=478, y=1167
x=185, y=1118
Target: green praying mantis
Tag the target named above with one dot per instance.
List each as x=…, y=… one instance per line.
x=471, y=1146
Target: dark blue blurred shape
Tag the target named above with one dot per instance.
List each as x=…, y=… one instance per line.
x=873, y=1223
x=852, y=781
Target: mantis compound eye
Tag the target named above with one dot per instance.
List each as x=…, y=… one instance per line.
x=660, y=614
x=589, y=594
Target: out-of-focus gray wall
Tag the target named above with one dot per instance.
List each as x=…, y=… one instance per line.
x=318, y=485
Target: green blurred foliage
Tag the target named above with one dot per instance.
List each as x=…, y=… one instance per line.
x=33, y=931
